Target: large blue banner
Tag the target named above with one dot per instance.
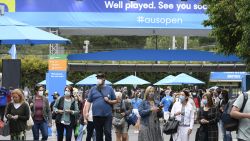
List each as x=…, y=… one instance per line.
x=109, y=13
x=141, y=6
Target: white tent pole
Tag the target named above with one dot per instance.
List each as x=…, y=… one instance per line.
x=173, y=43
x=1, y=10
x=185, y=42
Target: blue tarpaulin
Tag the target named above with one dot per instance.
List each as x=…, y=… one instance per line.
x=184, y=79
x=132, y=80
x=155, y=55
x=91, y=80
x=15, y=32
x=165, y=80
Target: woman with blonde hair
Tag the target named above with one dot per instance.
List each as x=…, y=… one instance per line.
x=17, y=113
x=150, y=125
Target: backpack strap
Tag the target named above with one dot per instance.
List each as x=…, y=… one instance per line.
x=244, y=102
x=99, y=90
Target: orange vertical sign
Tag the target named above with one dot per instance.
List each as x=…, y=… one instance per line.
x=57, y=64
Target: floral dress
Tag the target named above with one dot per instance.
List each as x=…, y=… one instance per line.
x=150, y=125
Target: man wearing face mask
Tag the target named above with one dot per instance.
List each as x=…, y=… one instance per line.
x=41, y=114
x=166, y=103
x=102, y=98
x=136, y=101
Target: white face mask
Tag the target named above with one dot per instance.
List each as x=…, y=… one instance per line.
x=40, y=93
x=99, y=81
x=26, y=93
x=167, y=93
x=67, y=93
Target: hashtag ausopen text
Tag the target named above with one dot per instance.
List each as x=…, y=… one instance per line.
x=165, y=21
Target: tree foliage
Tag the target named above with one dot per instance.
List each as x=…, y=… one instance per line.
x=230, y=22
x=33, y=71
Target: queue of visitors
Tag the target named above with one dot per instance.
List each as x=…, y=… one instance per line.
x=102, y=108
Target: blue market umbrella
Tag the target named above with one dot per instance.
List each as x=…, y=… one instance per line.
x=165, y=81
x=15, y=32
x=132, y=80
x=91, y=80
x=44, y=82
x=184, y=79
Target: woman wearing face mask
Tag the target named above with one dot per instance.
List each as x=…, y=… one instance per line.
x=150, y=125
x=184, y=113
x=41, y=114
x=208, y=118
x=66, y=109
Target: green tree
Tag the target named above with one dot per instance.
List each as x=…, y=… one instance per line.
x=33, y=71
x=230, y=22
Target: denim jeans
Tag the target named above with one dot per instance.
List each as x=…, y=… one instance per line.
x=90, y=131
x=60, y=131
x=43, y=127
x=226, y=134
x=103, y=125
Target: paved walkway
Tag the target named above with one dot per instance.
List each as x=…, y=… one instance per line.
x=132, y=136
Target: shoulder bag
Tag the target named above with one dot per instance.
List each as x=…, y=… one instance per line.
x=5, y=131
x=30, y=122
x=171, y=126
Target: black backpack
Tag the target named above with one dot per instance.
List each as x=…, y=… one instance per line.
x=229, y=123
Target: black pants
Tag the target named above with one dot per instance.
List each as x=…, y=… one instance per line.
x=60, y=131
x=90, y=130
x=103, y=124
x=2, y=109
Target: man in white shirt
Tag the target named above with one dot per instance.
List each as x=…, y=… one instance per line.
x=244, y=117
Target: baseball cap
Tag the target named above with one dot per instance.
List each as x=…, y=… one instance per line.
x=55, y=93
x=100, y=75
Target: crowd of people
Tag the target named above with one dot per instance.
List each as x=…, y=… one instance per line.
x=103, y=108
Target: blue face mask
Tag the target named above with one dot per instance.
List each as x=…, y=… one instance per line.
x=204, y=101
x=182, y=98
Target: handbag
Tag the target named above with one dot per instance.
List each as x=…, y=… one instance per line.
x=118, y=123
x=132, y=119
x=30, y=122
x=5, y=131
x=170, y=127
